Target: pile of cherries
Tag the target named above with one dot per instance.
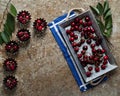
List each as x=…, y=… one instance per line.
x=87, y=45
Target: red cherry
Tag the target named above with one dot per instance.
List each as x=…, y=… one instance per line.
x=81, y=21
x=89, y=41
x=20, y=18
x=105, y=62
x=93, y=45
x=20, y=34
x=76, y=37
x=72, y=34
x=76, y=20
x=76, y=49
x=40, y=28
x=80, y=29
x=105, y=58
x=79, y=44
x=8, y=47
x=23, y=14
x=74, y=44
x=79, y=55
x=97, y=69
x=93, y=51
x=82, y=41
x=96, y=59
x=71, y=39
x=76, y=27
x=92, y=30
x=15, y=47
x=23, y=21
x=103, y=51
x=39, y=21
x=27, y=17
x=90, y=68
x=84, y=24
x=68, y=31
x=88, y=29
x=85, y=29
x=83, y=52
x=85, y=47
x=103, y=67
x=72, y=28
x=89, y=23
x=91, y=57
x=73, y=24
x=87, y=18
x=88, y=74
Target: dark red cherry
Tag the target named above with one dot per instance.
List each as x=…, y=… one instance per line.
x=76, y=49
x=93, y=45
x=82, y=41
x=81, y=21
x=68, y=31
x=73, y=24
x=76, y=37
x=88, y=74
x=71, y=39
x=79, y=55
x=89, y=41
x=85, y=47
x=72, y=34
x=92, y=30
x=83, y=52
x=105, y=58
x=87, y=18
x=97, y=69
x=103, y=51
x=89, y=23
x=103, y=67
x=105, y=62
x=90, y=68
x=74, y=44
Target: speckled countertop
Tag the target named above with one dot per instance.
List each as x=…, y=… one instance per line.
x=42, y=69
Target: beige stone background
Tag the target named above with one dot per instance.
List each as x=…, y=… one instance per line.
x=42, y=69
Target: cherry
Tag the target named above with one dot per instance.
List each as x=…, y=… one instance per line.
x=76, y=27
x=76, y=37
x=73, y=24
x=71, y=39
x=74, y=44
x=90, y=68
x=89, y=23
x=105, y=58
x=76, y=49
x=79, y=55
x=72, y=29
x=76, y=20
x=89, y=41
x=96, y=59
x=79, y=44
x=82, y=41
x=84, y=24
x=103, y=66
x=98, y=41
x=83, y=52
x=80, y=29
x=93, y=45
x=91, y=57
x=103, y=51
x=85, y=47
x=97, y=69
x=68, y=31
x=88, y=74
x=88, y=29
x=81, y=21
x=40, y=28
x=72, y=34
x=87, y=18
x=105, y=62
x=92, y=30
x=93, y=51
x=20, y=34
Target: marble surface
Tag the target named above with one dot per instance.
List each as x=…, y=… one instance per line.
x=42, y=69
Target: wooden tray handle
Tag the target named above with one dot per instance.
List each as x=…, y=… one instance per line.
x=80, y=10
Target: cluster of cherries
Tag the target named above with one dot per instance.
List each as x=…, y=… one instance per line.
x=87, y=45
x=12, y=47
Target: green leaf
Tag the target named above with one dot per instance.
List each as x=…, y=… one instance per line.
x=95, y=10
x=6, y=30
x=5, y=37
x=100, y=8
x=107, y=14
x=1, y=40
x=106, y=6
x=101, y=26
x=108, y=23
x=108, y=32
x=13, y=10
x=10, y=23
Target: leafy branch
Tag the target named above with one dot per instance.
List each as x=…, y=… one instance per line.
x=103, y=17
x=8, y=27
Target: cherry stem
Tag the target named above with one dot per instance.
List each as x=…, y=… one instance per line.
x=4, y=13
